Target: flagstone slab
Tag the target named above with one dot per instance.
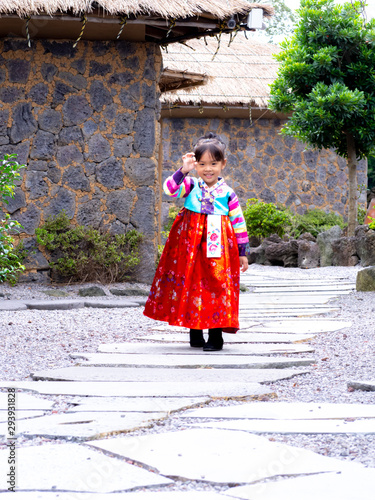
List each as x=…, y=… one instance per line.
x=365, y=385
x=285, y=411
x=154, y=348
x=362, y=426
x=146, y=405
x=277, y=299
x=358, y=485
x=200, y=360
x=160, y=326
x=283, y=312
x=12, y=305
x=146, y=389
x=50, y=305
x=75, y=468
x=219, y=456
x=86, y=425
x=25, y=402
x=20, y=414
x=110, y=304
x=301, y=326
x=239, y=338
x=107, y=374
x=136, y=495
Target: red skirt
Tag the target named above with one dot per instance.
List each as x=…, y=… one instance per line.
x=190, y=289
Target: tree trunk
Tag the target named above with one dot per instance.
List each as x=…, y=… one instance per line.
x=353, y=188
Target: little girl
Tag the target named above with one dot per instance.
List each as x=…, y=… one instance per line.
x=196, y=284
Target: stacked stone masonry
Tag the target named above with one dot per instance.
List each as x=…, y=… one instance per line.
x=263, y=164
x=85, y=121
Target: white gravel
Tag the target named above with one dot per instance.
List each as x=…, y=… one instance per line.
x=34, y=340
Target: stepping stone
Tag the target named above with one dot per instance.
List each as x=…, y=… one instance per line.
x=146, y=389
x=86, y=425
x=238, y=338
x=201, y=360
x=56, y=293
x=169, y=349
x=304, y=299
x=286, y=411
x=301, y=326
x=358, y=485
x=111, y=304
x=12, y=305
x=366, y=385
x=91, y=291
x=92, y=404
x=281, y=312
x=25, y=402
x=74, y=468
x=137, y=495
x=54, y=304
x=366, y=426
x=107, y=374
x=129, y=292
x=21, y=414
x=162, y=327
x=220, y=456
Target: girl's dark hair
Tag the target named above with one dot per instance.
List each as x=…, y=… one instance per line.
x=211, y=143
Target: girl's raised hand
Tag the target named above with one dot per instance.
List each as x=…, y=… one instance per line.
x=188, y=163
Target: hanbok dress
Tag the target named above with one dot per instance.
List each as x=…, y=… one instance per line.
x=196, y=284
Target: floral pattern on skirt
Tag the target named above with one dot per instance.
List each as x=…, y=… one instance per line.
x=190, y=289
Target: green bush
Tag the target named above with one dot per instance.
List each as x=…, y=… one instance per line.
x=172, y=214
x=315, y=221
x=10, y=260
x=361, y=215
x=82, y=253
x=263, y=219
x=372, y=223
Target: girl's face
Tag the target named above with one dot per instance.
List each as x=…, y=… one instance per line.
x=209, y=169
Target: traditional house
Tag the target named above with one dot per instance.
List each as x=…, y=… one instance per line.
x=79, y=104
x=232, y=101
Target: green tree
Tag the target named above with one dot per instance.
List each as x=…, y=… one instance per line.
x=371, y=172
x=282, y=22
x=327, y=80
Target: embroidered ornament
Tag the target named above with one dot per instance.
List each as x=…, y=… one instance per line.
x=213, y=236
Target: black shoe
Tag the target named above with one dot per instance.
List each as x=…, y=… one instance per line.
x=196, y=338
x=215, y=340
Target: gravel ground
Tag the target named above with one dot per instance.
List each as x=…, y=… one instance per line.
x=34, y=340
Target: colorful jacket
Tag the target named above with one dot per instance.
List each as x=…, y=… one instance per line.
x=219, y=199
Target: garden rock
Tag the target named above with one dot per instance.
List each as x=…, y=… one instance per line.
x=365, y=245
x=91, y=291
x=308, y=254
x=366, y=280
x=257, y=255
x=344, y=252
x=284, y=253
x=324, y=241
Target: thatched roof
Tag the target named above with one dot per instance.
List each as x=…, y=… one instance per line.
x=238, y=75
x=163, y=8
x=160, y=21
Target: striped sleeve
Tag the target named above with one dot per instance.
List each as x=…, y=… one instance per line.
x=238, y=222
x=178, y=185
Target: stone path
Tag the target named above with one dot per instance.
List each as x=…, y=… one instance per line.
x=129, y=386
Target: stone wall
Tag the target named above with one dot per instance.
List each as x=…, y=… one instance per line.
x=265, y=165
x=85, y=121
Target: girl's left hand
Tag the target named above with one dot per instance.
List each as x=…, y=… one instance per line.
x=244, y=264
